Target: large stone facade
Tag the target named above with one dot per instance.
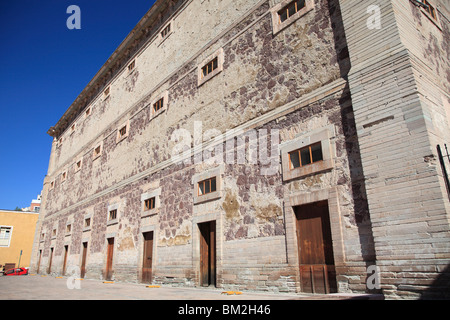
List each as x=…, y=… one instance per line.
x=375, y=100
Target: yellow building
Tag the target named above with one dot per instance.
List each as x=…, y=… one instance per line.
x=16, y=237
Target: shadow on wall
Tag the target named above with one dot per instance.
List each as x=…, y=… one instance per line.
x=351, y=145
x=440, y=288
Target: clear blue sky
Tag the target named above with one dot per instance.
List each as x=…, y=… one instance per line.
x=44, y=66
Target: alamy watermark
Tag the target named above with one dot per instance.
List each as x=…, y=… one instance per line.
x=373, y=280
x=257, y=147
x=74, y=21
x=73, y=282
x=374, y=21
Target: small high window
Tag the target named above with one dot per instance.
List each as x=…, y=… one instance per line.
x=158, y=105
x=165, y=31
x=430, y=9
x=87, y=222
x=112, y=215
x=131, y=66
x=287, y=11
x=97, y=151
x=68, y=228
x=150, y=203
x=207, y=186
x=123, y=131
x=305, y=156
x=210, y=67
x=291, y=9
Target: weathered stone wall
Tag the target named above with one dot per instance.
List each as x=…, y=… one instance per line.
x=399, y=84
x=238, y=94
x=289, y=82
x=381, y=130
x=252, y=249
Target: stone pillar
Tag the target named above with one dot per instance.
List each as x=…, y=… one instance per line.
x=398, y=133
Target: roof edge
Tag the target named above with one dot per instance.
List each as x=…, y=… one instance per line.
x=128, y=48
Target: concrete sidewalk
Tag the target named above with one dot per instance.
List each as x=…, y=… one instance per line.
x=37, y=287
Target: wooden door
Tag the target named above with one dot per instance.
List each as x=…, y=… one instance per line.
x=83, y=260
x=148, y=258
x=316, y=260
x=39, y=261
x=207, y=253
x=49, y=270
x=109, y=259
x=66, y=250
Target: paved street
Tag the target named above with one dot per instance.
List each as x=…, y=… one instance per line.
x=37, y=287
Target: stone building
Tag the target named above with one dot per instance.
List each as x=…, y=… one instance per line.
x=16, y=238
x=286, y=146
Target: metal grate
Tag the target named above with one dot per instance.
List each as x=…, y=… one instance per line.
x=443, y=166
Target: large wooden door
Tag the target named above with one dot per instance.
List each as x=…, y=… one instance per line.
x=39, y=261
x=109, y=259
x=207, y=253
x=148, y=258
x=66, y=251
x=317, y=271
x=49, y=270
x=83, y=260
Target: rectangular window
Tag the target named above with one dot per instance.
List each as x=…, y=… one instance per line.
x=131, y=66
x=207, y=186
x=123, y=131
x=113, y=214
x=287, y=12
x=64, y=176
x=87, y=112
x=106, y=92
x=5, y=236
x=165, y=31
x=430, y=9
x=158, y=105
x=53, y=233
x=97, y=152
x=87, y=222
x=291, y=9
x=305, y=156
x=210, y=67
x=68, y=228
x=150, y=203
